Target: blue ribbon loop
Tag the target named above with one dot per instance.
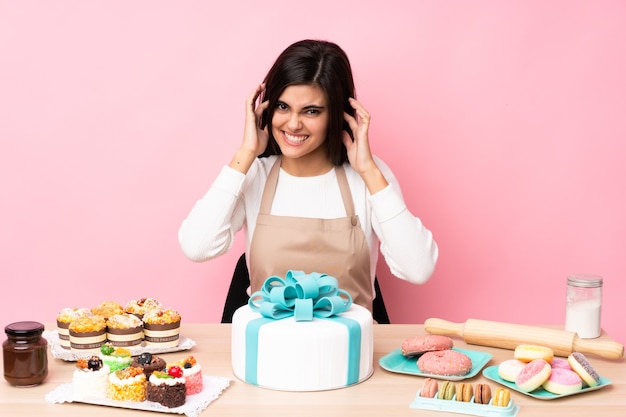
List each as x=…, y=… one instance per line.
x=300, y=295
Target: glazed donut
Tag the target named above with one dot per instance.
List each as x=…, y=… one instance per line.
x=563, y=381
x=528, y=353
x=415, y=346
x=445, y=362
x=510, y=369
x=533, y=375
x=583, y=368
x=560, y=363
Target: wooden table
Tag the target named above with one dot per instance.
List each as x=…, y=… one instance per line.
x=385, y=394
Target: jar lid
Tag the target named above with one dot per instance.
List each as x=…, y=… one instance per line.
x=24, y=328
x=585, y=280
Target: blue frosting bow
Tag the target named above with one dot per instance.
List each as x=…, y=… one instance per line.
x=300, y=295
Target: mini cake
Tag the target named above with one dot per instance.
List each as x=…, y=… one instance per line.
x=107, y=309
x=161, y=328
x=87, y=334
x=64, y=318
x=128, y=384
x=116, y=358
x=124, y=330
x=192, y=371
x=90, y=378
x=149, y=363
x=167, y=387
x=142, y=306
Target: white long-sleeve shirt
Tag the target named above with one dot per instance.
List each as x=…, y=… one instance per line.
x=233, y=201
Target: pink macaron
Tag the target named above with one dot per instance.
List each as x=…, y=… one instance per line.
x=563, y=381
x=430, y=388
x=533, y=375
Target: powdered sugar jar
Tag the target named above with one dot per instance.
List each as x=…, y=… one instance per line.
x=584, y=305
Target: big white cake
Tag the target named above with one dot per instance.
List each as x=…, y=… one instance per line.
x=291, y=355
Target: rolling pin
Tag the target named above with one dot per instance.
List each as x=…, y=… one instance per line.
x=508, y=336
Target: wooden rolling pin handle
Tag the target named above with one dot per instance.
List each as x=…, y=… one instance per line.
x=444, y=327
x=608, y=349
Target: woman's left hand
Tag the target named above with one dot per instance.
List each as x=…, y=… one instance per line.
x=359, y=152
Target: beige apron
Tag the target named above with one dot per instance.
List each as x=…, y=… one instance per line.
x=336, y=247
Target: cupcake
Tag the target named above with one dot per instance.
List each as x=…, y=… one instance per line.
x=128, y=384
x=149, y=363
x=124, y=330
x=107, y=309
x=161, y=328
x=142, y=306
x=64, y=318
x=87, y=334
x=90, y=379
x=116, y=358
x=192, y=371
x=167, y=387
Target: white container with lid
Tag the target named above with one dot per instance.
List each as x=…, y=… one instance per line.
x=584, y=305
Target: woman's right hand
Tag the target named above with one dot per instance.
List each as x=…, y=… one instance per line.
x=255, y=138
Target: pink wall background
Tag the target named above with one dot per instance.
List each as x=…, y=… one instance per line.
x=504, y=122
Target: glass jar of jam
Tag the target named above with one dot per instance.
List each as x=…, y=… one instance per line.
x=25, y=354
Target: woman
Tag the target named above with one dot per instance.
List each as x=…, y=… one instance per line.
x=305, y=186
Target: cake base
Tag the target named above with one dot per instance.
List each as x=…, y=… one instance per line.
x=170, y=396
x=316, y=355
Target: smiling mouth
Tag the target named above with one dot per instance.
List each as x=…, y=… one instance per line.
x=296, y=139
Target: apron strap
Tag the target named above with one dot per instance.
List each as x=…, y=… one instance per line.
x=272, y=179
x=270, y=188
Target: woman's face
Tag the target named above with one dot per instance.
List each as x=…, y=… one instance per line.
x=300, y=123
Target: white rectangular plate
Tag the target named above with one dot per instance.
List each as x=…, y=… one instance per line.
x=194, y=404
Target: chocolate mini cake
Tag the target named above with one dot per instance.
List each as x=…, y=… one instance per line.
x=167, y=388
x=149, y=363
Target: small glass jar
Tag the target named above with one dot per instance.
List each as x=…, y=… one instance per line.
x=584, y=305
x=25, y=354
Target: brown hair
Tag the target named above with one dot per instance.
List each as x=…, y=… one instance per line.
x=319, y=63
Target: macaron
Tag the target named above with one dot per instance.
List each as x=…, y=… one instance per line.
x=528, y=353
x=417, y=345
x=533, y=375
x=430, y=388
x=510, y=369
x=501, y=397
x=482, y=394
x=563, y=381
x=583, y=368
x=447, y=391
x=464, y=392
x=445, y=362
